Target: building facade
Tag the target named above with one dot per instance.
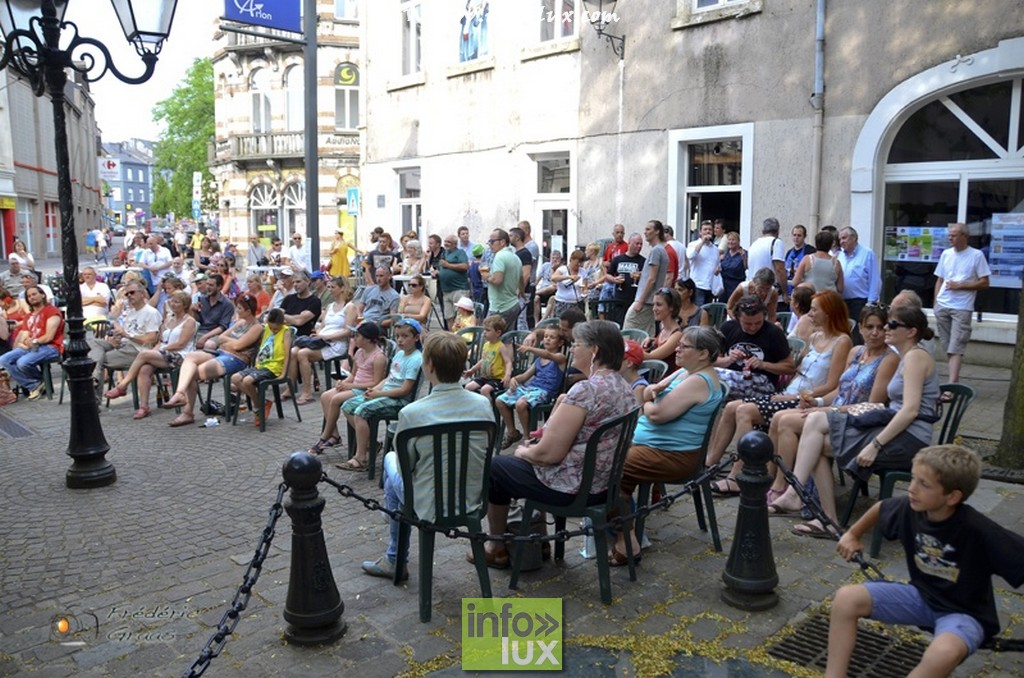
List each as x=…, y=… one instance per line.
x=257, y=156
x=126, y=181
x=29, y=209
x=895, y=118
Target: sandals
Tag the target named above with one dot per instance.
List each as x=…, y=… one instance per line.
x=304, y=400
x=511, y=438
x=181, y=420
x=352, y=464
x=810, y=529
x=320, y=445
x=141, y=413
x=116, y=392
x=494, y=560
x=723, y=488
x=617, y=559
x=176, y=400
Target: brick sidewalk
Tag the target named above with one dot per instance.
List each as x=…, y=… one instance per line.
x=158, y=555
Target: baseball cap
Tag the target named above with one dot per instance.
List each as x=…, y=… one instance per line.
x=411, y=322
x=369, y=330
x=287, y=270
x=478, y=250
x=200, y=277
x=634, y=352
x=318, y=275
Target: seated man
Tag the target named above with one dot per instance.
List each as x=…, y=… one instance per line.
x=137, y=328
x=444, y=356
x=214, y=311
x=41, y=340
x=379, y=300
x=95, y=295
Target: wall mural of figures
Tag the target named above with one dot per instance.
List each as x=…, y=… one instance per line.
x=473, y=34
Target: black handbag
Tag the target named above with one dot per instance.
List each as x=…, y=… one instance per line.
x=876, y=418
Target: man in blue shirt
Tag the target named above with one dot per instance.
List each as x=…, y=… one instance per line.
x=862, y=280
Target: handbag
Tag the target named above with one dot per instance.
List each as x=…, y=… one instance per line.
x=315, y=343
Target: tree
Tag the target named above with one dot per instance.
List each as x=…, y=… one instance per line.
x=181, y=150
x=1011, y=446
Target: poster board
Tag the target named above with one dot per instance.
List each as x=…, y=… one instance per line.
x=922, y=244
x=1005, y=252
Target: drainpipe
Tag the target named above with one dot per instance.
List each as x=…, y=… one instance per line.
x=818, y=104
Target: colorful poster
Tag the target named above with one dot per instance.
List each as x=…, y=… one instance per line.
x=915, y=243
x=1005, y=252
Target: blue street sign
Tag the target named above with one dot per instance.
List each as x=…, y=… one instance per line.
x=196, y=213
x=283, y=14
x=195, y=205
x=352, y=198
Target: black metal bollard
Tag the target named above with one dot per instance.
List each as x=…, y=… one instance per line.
x=750, y=577
x=314, y=607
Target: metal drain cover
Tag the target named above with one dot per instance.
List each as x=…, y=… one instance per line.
x=12, y=428
x=876, y=655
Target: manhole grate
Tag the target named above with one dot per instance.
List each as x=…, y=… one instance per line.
x=12, y=428
x=876, y=655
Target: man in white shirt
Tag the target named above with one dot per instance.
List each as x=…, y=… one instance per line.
x=135, y=330
x=769, y=251
x=296, y=256
x=703, y=259
x=156, y=259
x=95, y=295
x=961, y=272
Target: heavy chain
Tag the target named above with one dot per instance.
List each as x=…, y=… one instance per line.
x=560, y=535
x=234, y=613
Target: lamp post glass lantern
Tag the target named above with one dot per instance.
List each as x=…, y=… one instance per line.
x=30, y=45
x=601, y=13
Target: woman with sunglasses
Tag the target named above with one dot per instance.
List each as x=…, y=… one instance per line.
x=226, y=353
x=860, y=445
x=415, y=304
x=177, y=339
x=663, y=345
x=690, y=314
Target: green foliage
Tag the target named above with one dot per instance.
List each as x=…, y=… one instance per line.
x=181, y=150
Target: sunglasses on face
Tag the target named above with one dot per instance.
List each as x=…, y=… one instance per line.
x=893, y=325
x=415, y=285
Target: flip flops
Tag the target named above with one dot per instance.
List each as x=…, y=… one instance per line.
x=723, y=488
x=809, y=529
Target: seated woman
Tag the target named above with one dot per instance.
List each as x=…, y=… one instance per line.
x=227, y=353
x=913, y=408
x=177, y=339
x=388, y=396
x=416, y=304
x=202, y=256
x=677, y=412
x=761, y=286
x=274, y=345
x=328, y=341
x=800, y=325
x=167, y=287
x=254, y=286
x=226, y=267
x=868, y=371
x=817, y=375
x=663, y=345
x=413, y=263
x=690, y=314
x=551, y=469
x=371, y=368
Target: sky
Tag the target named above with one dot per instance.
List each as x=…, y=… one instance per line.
x=125, y=111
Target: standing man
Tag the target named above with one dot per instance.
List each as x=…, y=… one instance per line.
x=796, y=254
x=703, y=257
x=862, y=280
x=961, y=272
x=641, y=313
x=137, y=329
x=529, y=243
x=464, y=242
x=623, y=274
x=256, y=253
x=719, y=231
x=296, y=255
x=504, y=278
x=768, y=251
x=452, y=277
x=677, y=261
x=518, y=238
x=95, y=295
x=41, y=340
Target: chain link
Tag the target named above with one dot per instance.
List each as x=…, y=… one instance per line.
x=231, y=617
x=533, y=538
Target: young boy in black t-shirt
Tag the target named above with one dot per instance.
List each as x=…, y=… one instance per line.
x=952, y=552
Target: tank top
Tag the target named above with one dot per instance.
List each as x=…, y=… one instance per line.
x=334, y=321
x=547, y=377
x=364, y=365
x=856, y=382
x=493, y=362
x=271, y=353
x=685, y=432
x=172, y=334
x=920, y=429
x=822, y=274
x=813, y=369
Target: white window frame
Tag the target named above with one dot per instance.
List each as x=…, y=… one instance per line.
x=142, y=195
x=294, y=98
x=264, y=198
x=534, y=204
x=689, y=14
x=129, y=174
x=345, y=95
x=23, y=226
x=678, y=162
x=51, y=226
x=411, y=36
x=554, y=19
x=410, y=210
x=260, y=111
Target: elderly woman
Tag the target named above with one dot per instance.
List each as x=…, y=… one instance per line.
x=860, y=446
x=22, y=256
x=551, y=470
x=763, y=287
x=227, y=353
x=177, y=339
x=415, y=304
x=676, y=414
x=328, y=340
x=413, y=261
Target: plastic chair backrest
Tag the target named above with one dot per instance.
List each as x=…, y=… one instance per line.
x=796, y=347
x=390, y=348
x=459, y=490
x=547, y=322
x=783, y=317
x=100, y=327
x=963, y=395
x=655, y=370
x=475, y=343
x=716, y=312
x=389, y=329
x=521, y=361
x=478, y=309
x=636, y=335
x=620, y=429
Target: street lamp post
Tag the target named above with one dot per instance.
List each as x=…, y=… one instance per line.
x=30, y=35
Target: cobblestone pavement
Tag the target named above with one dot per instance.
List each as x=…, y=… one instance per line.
x=157, y=556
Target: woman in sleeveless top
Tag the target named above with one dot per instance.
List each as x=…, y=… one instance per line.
x=820, y=269
x=913, y=408
x=817, y=375
x=868, y=371
x=329, y=339
x=676, y=413
x=371, y=367
x=663, y=345
x=177, y=339
x=690, y=314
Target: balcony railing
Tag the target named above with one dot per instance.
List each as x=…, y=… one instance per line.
x=279, y=145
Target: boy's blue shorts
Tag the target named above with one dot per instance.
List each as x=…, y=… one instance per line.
x=898, y=603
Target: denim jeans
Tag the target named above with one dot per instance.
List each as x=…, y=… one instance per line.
x=24, y=366
x=394, y=496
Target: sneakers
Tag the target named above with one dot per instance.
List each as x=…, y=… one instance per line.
x=34, y=393
x=382, y=567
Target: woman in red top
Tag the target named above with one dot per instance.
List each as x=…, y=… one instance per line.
x=41, y=340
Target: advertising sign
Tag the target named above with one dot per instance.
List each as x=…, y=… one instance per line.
x=1006, y=250
x=285, y=15
x=915, y=243
x=110, y=169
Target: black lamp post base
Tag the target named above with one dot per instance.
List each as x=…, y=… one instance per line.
x=87, y=474
x=323, y=635
x=751, y=602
